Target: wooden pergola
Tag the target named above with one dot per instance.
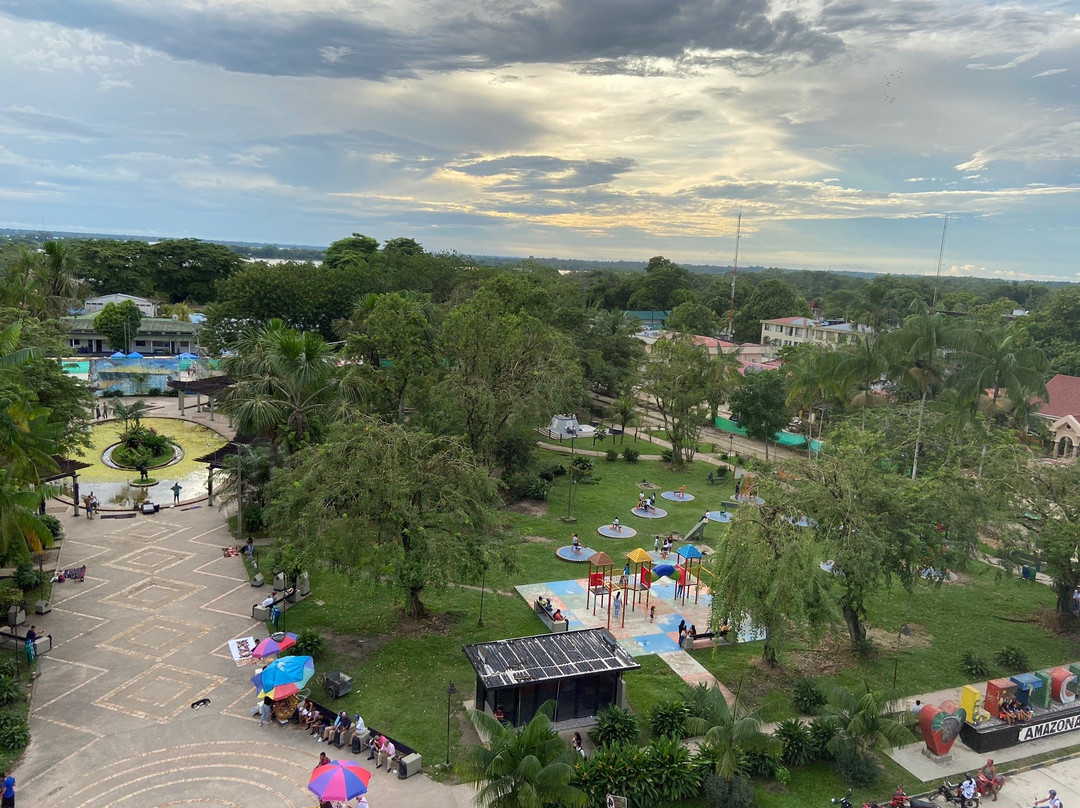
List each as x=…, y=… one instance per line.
x=68, y=468
x=220, y=459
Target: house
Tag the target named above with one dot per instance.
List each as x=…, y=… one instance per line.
x=1061, y=412
x=787, y=331
x=581, y=671
x=93, y=305
x=161, y=336
x=713, y=345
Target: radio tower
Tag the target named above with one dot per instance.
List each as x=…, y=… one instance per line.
x=734, y=273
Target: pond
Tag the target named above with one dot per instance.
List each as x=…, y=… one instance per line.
x=112, y=485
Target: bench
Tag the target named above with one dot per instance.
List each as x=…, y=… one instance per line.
x=408, y=759
x=262, y=613
x=705, y=639
x=553, y=625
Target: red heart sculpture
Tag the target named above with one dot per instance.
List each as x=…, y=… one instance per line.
x=941, y=725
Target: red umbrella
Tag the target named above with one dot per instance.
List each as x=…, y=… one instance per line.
x=339, y=780
x=273, y=645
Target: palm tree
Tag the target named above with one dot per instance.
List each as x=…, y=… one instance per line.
x=722, y=375
x=863, y=720
x=998, y=375
x=814, y=377
x=21, y=531
x=130, y=413
x=862, y=363
x=530, y=768
x=55, y=277
x=287, y=384
x=625, y=411
x=727, y=728
x=916, y=351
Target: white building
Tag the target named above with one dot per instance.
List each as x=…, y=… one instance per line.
x=787, y=331
x=94, y=305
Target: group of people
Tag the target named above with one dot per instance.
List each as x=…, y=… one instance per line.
x=646, y=503
x=101, y=411
x=685, y=632
x=90, y=504
x=665, y=546
x=342, y=731
x=1012, y=711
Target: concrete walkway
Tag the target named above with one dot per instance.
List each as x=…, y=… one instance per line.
x=137, y=642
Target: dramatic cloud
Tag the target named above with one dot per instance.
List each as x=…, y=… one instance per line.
x=842, y=129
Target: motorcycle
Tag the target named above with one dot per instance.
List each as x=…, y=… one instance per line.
x=843, y=802
x=982, y=783
x=952, y=794
x=902, y=800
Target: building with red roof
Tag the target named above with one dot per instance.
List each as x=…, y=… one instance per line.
x=1062, y=412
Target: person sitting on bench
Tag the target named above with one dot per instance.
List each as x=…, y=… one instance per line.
x=724, y=629
x=557, y=616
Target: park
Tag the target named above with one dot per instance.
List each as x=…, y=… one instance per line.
x=472, y=481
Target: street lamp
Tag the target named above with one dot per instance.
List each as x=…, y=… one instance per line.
x=905, y=631
x=483, y=583
x=450, y=691
x=570, y=488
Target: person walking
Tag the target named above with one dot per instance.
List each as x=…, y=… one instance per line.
x=97, y=411
x=176, y=489
x=7, y=800
x=104, y=410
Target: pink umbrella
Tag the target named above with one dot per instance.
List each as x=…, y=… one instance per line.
x=272, y=647
x=339, y=780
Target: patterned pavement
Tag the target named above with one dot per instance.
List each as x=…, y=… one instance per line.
x=144, y=636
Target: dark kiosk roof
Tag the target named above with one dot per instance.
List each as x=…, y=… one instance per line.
x=564, y=655
x=211, y=385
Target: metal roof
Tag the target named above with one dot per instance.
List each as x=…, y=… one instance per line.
x=546, y=657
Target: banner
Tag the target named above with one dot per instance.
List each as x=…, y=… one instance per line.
x=241, y=649
x=1055, y=727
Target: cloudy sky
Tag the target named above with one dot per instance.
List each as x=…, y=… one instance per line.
x=575, y=128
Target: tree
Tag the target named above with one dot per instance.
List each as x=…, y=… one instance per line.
x=22, y=532
x=119, y=323
x=55, y=276
x=389, y=497
x=527, y=769
x=610, y=351
x=503, y=365
x=181, y=311
x=626, y=411
x=864, y=721
x=662, y=278
x=356, y=249
x=770, y=299
x=693, y=318
x=108, y=266
x=676, y=376
x=767, y=571
x=813, y=378
x=722, y=377
x=396, y=339
x=288, y=386
x=1052, y=495
x=403, y=246
x=731, y=729
x=759, y=405
x=189, y=269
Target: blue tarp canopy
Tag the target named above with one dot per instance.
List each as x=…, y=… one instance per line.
x=118, y=355
x=134, y=355
x=782, y=438
x=187, y=355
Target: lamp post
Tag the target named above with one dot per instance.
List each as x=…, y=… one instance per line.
x=905, y=630
x=450, y=691
x=570, y=488
x=483, y=584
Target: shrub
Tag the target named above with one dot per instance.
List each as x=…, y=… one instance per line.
x=10, y=596
x=10, y=690
x=9, y=667
x=974, y=665
x=667, y=455
x=28, y=577
x=796, y=743
x=309, y=642
x=1012, y=659
x=583, y=463
x=734, y=793
x=720, y=472
x=551, y=471
x=54, y=526
x=807, y=697
x=857, y=769
x=611, y=455
x=630, y=454
x=864, y=647
x=14, y=733
x=671, y=772
x=615, y=726
x=821, y=733
x=540, y=490
x=761, y=763
x=669, y=719
x=253, y=517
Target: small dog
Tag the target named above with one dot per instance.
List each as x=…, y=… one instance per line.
x=195, y=705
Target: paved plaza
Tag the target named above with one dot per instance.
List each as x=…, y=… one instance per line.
x=144, y=636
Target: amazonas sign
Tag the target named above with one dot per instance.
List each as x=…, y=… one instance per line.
x=1056, y=727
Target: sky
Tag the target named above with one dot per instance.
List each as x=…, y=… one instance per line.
x=606, y=129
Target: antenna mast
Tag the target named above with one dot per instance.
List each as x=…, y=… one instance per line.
x=940, y=257
x=734, y=274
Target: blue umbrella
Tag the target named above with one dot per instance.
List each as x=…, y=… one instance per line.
x=134, y=355
x=187, y=355
x=285, y=676
x=118, y=355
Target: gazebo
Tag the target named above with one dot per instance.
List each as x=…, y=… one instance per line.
x=640, y=578
x=219, y=459
x=688, y=559
x=581, y=671
x=210, y=387
x=600, y=584
x=68, y=468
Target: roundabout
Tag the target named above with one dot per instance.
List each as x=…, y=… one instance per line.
x=651, y=513
x=620, y=532
x=568, y=553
